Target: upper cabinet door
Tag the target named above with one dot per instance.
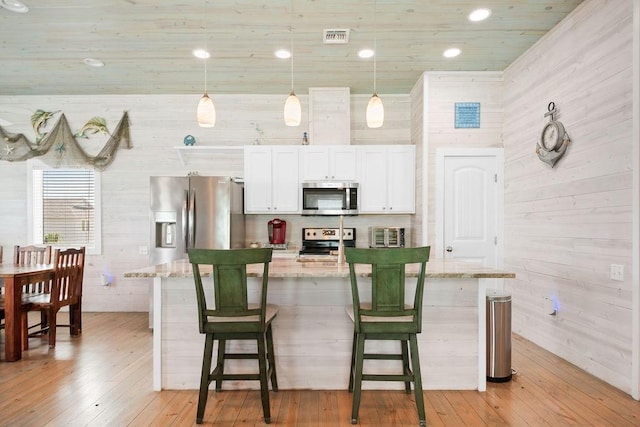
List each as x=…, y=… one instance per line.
x=342, y=163
x=257, y=179
x=315, y=163
x=285, y=180
x=372, y=179
x=401, y=191
x=386, y=174
x=337, y=163
x=271, y=179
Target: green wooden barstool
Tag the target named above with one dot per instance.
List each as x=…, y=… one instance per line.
x=387, y=317
x=232, y=317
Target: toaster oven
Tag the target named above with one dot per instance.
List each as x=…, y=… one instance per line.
x=387, y=237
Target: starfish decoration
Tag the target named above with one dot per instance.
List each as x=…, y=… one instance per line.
x=8, y=149
x=60, y=149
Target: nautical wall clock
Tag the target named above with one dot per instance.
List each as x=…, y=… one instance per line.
x=553, y=139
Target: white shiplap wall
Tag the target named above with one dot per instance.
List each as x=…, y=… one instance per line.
x=565, y=226
x=418, y=115
x=158, y=123
x=435, y=95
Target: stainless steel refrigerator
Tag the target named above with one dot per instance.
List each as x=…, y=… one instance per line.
x=194, y=212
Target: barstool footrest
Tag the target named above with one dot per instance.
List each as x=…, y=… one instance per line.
x=378, y=356
x=387, y=377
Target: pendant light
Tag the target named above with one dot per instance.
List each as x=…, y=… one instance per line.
x=375, y=109
x=292, y=108
x=206, y=113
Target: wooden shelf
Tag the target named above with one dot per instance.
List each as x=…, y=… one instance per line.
x=185, y=153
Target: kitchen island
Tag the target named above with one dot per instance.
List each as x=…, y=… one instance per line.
x=312, y=332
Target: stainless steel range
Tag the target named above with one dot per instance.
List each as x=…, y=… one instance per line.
x=325, y=241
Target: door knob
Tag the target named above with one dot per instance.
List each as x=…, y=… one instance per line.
x=449, y=249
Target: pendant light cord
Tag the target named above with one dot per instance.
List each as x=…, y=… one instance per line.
x=375, y=43
x=205, y=75
x=291, y=35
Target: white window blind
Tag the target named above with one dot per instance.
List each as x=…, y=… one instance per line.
x=64, y=207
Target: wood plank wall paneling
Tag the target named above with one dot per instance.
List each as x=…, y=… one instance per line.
x=158, y=123
x=443, y=91
x=418, y=113
x=565, y=226
x=313, y=321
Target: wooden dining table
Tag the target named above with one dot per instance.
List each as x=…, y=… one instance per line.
x=15, y=277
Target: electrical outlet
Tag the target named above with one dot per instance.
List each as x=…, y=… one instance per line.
x=105, y=279
x=617, y=272
x=143, y=250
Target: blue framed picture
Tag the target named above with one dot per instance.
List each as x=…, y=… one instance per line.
x=467, y=115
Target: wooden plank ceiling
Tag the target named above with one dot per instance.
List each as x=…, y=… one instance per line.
x=147, y=45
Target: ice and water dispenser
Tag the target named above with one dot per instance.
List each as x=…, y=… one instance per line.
x=165, y=229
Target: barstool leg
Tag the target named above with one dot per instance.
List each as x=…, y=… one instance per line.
x=222, y=347
x=417, y=378
x=352, y=369
x=272, y=359
x=264, y=385
x=358, y=378
x=405, y=364
x=205, y=377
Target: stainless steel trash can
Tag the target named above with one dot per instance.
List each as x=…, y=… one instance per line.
x=498, y=336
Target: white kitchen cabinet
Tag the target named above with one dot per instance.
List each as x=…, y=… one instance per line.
x=271, y=179
x=386, y=174
x=329, y=116
x=336, y=162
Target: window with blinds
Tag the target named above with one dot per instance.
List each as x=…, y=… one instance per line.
x=64, y=205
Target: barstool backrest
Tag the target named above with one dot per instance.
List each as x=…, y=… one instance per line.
x=388, y=303
x=228, y=270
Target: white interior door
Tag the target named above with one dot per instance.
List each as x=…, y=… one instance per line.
x=470, y=217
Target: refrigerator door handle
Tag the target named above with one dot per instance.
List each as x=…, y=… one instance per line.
x=192, y=220
x=185, y=219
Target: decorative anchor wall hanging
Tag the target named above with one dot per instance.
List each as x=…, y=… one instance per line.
x=553, y=139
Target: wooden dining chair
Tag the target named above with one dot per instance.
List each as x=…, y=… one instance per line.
x=231, y=316
x=1, y=296
x=32, y=255
x=387, y=316
x=66, y=290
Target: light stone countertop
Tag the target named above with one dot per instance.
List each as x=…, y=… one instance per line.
x=292, y=268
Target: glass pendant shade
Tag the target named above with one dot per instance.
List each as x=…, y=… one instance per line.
x=292, y=110
x=375, y=112
x=206, y=112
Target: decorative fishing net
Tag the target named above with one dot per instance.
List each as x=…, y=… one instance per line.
x=59, y=146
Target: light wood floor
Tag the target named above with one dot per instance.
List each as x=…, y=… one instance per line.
x=103, y=378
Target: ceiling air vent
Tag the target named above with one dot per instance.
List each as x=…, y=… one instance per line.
x=335, y=36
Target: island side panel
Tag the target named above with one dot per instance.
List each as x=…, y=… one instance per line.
x=312, y=335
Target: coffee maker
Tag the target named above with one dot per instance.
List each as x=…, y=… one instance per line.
x=277, y=231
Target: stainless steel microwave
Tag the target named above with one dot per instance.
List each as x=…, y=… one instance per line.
x=330, y=198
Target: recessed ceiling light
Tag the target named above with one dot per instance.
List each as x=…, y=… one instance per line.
x=479, y=15
x=92, y=62
x=201, y=54
x=283, y=54
x=14, y=6
x=451, y=53
x=366, y=53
